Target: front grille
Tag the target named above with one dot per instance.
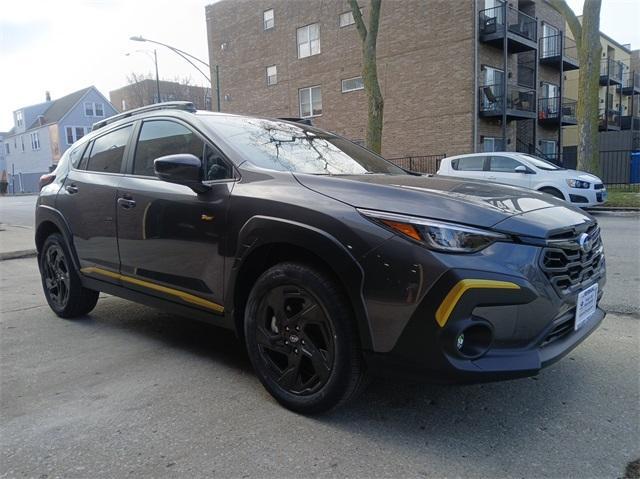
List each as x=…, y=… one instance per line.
x=567, y=266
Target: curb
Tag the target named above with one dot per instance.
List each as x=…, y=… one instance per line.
x=614, y=208
x=27, y=253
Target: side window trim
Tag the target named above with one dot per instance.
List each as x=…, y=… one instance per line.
x=207, y=143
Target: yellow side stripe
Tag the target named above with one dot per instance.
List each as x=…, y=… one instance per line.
x=189, y=298
x=451, y=300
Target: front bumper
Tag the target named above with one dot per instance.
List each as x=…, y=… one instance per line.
x=586, y=198
x=531, y=324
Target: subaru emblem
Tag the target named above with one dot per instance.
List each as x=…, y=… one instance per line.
x=585, y=242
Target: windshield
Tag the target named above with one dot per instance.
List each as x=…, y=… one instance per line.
x=540, y=163
x=282, y=146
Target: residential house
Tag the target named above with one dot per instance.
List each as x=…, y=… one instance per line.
x=456, y=76
x=43, y=132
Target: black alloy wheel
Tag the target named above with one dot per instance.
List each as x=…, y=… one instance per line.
x=56, y=276
x=302, y=338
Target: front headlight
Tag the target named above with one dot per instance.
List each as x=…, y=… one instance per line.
x=436, y=235
x=578, y=184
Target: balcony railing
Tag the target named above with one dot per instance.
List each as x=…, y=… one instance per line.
x=551, y=46
x=609, y=119
x=493, y=20
x=631, y=82
x=612, y=69
x=553, y=107
x=518, y=98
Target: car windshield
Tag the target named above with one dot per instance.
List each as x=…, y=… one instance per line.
x=278, y=145
x=540, y=163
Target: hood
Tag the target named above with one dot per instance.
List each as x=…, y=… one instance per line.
x=576, y=174
x=469, y=202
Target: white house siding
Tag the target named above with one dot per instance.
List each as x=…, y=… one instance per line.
x=24, y=168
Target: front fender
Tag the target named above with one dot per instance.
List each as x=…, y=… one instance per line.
x=260, y=231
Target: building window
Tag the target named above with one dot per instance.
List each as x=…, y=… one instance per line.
x=549, y=149
x=6, y=147
x=93, y=108
x=352, y=84
x=272, y=75
x=35, y=141
x=309, y=40
x=346, y=19
x=310, y=101
x=268, y=19
x=19, y=119
x=490, y=144
x=123, y=104
x=74, y=133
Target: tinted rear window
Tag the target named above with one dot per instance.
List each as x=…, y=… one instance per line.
x=469, y=163
x=108, y=150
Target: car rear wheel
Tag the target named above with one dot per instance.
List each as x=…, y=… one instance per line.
x=301, y=339
x=62, y=287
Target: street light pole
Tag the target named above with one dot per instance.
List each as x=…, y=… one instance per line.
x=188, y=58
x=155, y=59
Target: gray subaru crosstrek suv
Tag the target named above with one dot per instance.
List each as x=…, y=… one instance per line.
x=329, y=262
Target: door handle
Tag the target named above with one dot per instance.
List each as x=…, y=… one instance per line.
x=72, y=189
x=126, y=203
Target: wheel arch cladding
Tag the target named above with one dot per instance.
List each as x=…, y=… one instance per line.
x=48, y=221
x=266, y=241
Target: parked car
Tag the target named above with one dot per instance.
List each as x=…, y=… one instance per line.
x=527, y=171
x=329, y=262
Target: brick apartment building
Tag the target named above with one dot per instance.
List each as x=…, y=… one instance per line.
x=441, y=65
x=144, y=93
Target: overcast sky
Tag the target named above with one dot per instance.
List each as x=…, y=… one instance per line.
x=66, y=45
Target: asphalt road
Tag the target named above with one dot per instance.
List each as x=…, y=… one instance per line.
x=131, y=391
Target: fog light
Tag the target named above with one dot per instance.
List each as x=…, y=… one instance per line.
x=460, y=342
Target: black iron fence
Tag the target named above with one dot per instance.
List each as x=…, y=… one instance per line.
x=422, y=164
x=621, y=169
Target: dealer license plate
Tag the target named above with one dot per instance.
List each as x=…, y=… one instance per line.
x=586, y=305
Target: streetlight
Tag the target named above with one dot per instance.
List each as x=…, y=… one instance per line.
x=188, y=57
x=155, y=61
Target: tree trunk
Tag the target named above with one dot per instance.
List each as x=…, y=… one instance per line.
x=375, y=102
x=589, y=56
x=587, y=38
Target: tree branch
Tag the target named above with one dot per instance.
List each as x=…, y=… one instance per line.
x=357, y=17
x=563, y=9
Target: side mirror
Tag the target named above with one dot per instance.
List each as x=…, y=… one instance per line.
x=182, y=169
x=521, y=169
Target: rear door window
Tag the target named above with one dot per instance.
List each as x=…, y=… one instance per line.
x=108, y=150
x=470, y=163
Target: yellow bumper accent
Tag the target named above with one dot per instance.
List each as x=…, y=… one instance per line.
x=451, y=300
x=189, y=298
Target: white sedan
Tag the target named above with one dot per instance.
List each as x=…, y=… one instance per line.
x=519, y=169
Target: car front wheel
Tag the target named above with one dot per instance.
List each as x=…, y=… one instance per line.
x=301, y=339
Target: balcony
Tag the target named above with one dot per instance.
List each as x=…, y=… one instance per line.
x=519, y=28
x=520, y=102
x=551, y=114
x=630, y=123
x=558, y=50
x=631, y=83
x=611, y=72
x=608, y=120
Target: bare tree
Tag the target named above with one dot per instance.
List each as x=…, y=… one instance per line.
x=587, y=37
x=375, y=102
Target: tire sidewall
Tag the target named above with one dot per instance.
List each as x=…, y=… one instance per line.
x=337, y=313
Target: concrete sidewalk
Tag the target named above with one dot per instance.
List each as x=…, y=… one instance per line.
x=16, y=242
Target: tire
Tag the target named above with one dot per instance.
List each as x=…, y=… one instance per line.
x=60, y=281
x=552, y=192
x=301, y=339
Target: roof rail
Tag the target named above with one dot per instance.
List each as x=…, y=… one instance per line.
x=304, y=121
x=167, y=105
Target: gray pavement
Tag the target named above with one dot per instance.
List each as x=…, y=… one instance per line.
x=130, y=391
